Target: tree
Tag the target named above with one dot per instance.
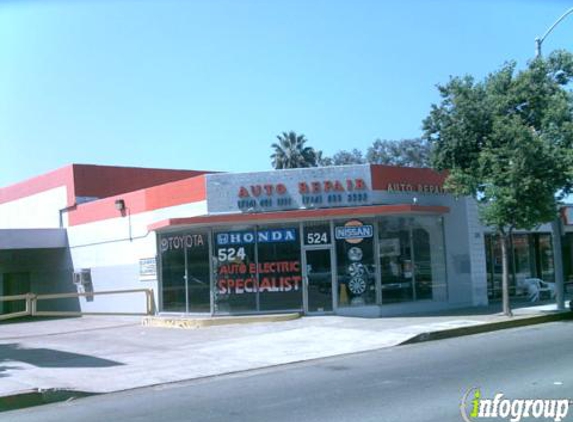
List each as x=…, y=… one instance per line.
x=291, y=152
x=323, y=160
x=506, y=141
x=342, y=157
x=405, y=153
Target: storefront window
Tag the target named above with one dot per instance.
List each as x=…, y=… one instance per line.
x=185, y=272
x=235, y=289
x=522, y=252
x=530, y=255
x=355, y=263
x=198, y=274
x=257, y=269
x=317, y=240
x=494, y=265
x=395, y=253
x=279, y=268
x=173, y=280
x=423, y=264
x=546, y=258
x=412, y=259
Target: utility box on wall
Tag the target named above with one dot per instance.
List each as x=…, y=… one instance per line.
x=83, y=282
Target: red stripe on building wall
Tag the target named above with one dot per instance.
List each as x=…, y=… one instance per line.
x=54, y=179
x=86, y=180
x=157, y=197
x=382, y=176
x=349, y=212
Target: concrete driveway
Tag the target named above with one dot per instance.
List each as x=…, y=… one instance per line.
x=105, y=354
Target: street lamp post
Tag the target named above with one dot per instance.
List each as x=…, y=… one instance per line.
x=556, y=224
x=539, y=40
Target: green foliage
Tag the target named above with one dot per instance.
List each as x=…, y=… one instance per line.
x=322, y=160
x=404, y=153
x=343, y=157
x=291, y=152
x=507, y=140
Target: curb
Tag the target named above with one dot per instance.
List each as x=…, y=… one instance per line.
x=487, y=327
x=38, y=397
x=192, y=323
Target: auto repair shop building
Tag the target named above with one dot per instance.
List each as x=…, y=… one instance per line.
x=351, y=240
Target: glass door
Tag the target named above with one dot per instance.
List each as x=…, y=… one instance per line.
x=185, y=272
x=319, y=280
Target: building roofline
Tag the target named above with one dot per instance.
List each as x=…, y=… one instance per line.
x=80, y=181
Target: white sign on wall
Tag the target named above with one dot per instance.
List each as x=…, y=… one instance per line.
x=309, y=188
x=147, y=269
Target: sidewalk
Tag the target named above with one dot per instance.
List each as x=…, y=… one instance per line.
x=106, y=354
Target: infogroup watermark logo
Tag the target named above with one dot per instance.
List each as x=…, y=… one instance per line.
x=475, y=407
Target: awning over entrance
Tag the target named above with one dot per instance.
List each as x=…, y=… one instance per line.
x=33, y=238
x=344, y=212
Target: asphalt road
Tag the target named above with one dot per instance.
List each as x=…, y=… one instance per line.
x=422, y=382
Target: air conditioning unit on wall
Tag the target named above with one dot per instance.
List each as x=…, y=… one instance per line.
x=83, y=282
x=82, y=277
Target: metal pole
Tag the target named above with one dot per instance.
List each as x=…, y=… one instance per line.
x=538, y=47
x=558, y=265
x=556, y=225
x=539, y=40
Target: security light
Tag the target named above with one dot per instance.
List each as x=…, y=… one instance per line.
x=119, y=204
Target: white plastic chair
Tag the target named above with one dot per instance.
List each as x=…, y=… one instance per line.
x=536, y=286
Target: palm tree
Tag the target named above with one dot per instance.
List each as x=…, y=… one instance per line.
x=291, y=153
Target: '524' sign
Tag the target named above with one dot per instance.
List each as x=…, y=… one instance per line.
x=317, y=237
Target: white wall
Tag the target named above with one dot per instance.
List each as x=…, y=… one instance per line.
x=36, y=211
x=112, y=249
x=476, y=244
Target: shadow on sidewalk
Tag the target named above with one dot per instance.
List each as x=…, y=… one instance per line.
x=48, y=358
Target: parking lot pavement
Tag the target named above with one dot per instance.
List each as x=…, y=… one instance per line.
x=105, y=354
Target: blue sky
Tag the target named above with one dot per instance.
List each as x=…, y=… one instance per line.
x=208, y=84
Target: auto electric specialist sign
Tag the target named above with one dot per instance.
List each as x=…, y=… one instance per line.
x=239, y=274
